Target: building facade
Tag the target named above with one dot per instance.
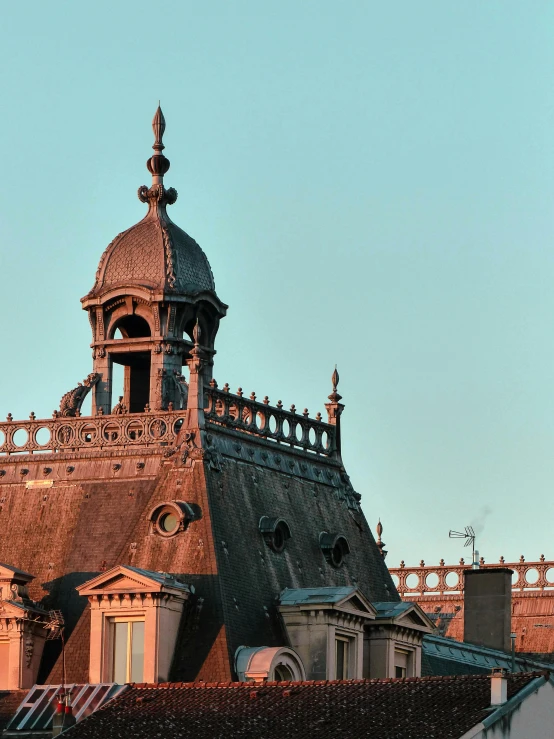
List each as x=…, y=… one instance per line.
x=183, y=531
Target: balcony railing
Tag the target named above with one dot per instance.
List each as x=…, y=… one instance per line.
x=64, y=434
x=160, y=428
x=270, y=422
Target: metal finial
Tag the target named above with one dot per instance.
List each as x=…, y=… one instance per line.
x=196, y=332
x=158, y=126
x=158, y=164
x=380, y=543
x=335, y=379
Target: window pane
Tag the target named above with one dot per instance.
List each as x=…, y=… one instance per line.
x=137, y=651
x=120, y=652
x=342, y=659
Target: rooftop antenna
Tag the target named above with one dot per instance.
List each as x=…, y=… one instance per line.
x=469, y=535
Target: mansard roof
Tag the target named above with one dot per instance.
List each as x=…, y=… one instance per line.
x=418, y=708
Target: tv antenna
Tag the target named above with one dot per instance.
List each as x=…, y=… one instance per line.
x=469, y=535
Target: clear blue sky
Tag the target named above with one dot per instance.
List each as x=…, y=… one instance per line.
x=373, y=184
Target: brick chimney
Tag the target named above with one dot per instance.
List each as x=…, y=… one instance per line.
x=488, y=607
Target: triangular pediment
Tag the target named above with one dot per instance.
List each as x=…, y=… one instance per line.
x=9, y=573
x=416, y=617
x=122, y=579
x=357, y=603
x=15, y=609
x=404, y=613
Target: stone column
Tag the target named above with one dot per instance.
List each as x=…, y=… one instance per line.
x=102, y=390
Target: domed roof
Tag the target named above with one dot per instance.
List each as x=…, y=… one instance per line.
x=155, y=253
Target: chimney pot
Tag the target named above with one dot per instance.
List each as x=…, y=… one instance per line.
x=499, y=687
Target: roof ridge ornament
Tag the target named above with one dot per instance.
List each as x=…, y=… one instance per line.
x=335, y=397
x=157, y=165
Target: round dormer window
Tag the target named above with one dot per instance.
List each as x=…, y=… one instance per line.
x=168, y=522
x=169, y=518
x=335, y=547
x=275, y=531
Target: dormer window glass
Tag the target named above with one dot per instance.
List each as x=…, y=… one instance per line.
x=342, y=648
x=168, y=522
x=128, y=650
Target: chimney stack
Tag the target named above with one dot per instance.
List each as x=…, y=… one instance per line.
x=499, y=687
x=488, y=607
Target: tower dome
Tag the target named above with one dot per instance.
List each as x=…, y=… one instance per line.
x=155, y=253
x=153, y=286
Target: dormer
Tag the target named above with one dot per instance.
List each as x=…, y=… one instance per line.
x=393, y=643
x=135, y=616
x=23, y=630
x=326, y=627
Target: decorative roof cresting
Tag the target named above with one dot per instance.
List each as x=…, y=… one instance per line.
x=155, y=253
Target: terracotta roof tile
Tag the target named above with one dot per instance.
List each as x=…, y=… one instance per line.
x=9, y=703
x=414, y=708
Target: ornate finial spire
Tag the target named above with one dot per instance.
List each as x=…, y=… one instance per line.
x=158, y=126
x=158, y=165
x=335, y=397
x=196, y=333
x=380, y=543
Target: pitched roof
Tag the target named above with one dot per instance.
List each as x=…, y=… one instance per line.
x=391, y=610
x=9, y=702
x=419, y=708
x=444, y=656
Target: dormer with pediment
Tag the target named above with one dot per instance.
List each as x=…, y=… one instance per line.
x=135, y=617
x=393, y=643
x=326, y=627
x=23, y=630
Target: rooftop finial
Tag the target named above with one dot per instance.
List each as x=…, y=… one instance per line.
x=158, y=126
x=158, y=164
x=196, y=333
x=335, y=379
x=380, y=543
x=335, y=397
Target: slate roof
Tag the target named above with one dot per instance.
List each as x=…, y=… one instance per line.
x=297, y=596
x=414, y=708
x=391, y=610
x=444, y=656
x=140, y=256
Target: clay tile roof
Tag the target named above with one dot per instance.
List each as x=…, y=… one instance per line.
x=418, y=708
x=9, y=703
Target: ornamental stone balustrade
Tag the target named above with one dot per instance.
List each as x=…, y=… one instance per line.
x=161, y=428
x=538, y=575
x=273, y=423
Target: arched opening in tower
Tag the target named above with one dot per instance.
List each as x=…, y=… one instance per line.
x=130, y=388
x=131, y=327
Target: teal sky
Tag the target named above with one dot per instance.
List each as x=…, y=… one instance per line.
x=373, y=183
